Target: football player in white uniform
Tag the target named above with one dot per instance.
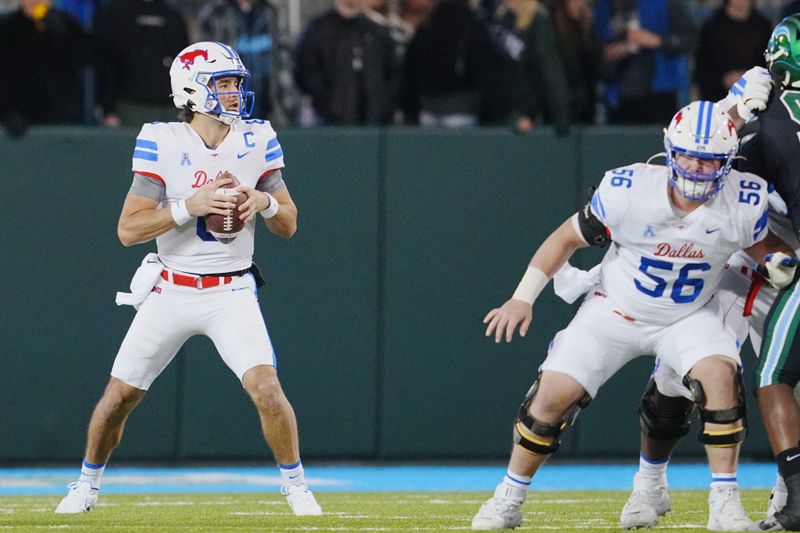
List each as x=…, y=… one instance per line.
x=745, y=294
x=672, y=228
x=196, y=284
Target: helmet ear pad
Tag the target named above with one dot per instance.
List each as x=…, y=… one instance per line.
x=783, y=52
x=194, y=74
x=700, y=130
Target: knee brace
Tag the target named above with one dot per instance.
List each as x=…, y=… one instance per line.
x=544, y=430
x=664, y=417
x=723, y=438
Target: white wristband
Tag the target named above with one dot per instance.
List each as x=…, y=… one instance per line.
x=531, y=285
x=273, y=207
x=179, y=212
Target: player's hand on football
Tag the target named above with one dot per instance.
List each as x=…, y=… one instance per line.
x=207, y=200
x=503, y=321
x=256, y=201
x=751, y=92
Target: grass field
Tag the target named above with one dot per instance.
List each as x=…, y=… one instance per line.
x=387, y=511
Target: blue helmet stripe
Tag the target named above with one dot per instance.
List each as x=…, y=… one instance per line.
x=709, y=114
x=699, y=126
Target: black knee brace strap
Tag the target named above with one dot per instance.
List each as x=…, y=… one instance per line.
x=664, y=417
x=727, y=437
x=544, y=429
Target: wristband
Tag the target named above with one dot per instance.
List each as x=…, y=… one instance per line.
x=531, y=285
x=179, y=212
x=272, y=208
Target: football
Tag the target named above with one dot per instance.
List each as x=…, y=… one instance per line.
x=225, y=228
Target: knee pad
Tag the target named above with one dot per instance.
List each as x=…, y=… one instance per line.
x=544, y=430
x=664, y=417
x=721, y=438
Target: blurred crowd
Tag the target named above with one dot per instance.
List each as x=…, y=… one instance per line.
x=446, y=63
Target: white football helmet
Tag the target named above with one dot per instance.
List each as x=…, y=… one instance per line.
x=194, y=74
x=702, y=130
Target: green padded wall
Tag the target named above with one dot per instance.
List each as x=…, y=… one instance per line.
x=406, y=239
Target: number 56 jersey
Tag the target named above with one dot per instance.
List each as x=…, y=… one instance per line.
x=665, y=264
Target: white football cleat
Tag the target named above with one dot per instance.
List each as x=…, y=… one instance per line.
x=501, y=511
x=80, y=498
x=646, y=504
x=725, y=511
x=777, y=500
x=301, y=500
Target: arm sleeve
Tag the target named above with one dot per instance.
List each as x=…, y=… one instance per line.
x=148, y=187
x=271, y=182
x=589, y=227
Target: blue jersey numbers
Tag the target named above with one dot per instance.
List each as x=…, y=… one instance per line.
x=622, y=177
x=749, y=193
x=685, y=289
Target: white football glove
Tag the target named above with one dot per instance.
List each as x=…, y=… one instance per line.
x=751, y=92
x=780, y=269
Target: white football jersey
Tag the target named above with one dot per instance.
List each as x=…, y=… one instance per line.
x=174, y=154
x=664, y=266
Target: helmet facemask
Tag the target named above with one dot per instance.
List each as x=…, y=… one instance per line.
x=696, y=185
x=214, y=106
x=700, y=130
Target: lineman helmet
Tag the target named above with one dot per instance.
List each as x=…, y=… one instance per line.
x=783, y=52
x=194, y=74
x=702, y=130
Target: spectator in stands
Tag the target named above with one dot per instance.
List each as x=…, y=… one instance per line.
x=581, y=54
x=731, y=41
x=535, y=78
x=136, y=41
x=346, y=64
x=413, y=13
x=385, y=13
x=645, y=47
x=253, y=29
x=42, y=52
x=448, y=68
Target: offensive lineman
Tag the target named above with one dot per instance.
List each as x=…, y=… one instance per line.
x=772, y=153
x=672, y=229
x=196, y=284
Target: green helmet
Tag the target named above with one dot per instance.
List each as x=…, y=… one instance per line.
x=783, y=52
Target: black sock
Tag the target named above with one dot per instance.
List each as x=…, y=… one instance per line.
x=788, y=462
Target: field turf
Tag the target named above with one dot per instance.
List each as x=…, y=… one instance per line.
x=385, y=511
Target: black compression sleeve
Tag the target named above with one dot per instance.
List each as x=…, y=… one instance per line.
x=592, y=230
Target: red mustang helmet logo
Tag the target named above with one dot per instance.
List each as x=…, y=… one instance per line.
x=188, y=58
